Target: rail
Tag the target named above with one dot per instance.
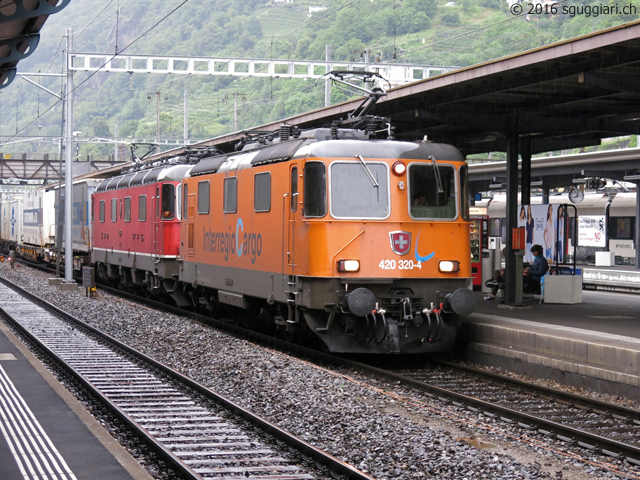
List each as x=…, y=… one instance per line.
x=180, y=433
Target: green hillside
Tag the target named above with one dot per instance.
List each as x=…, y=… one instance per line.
x=426, y=32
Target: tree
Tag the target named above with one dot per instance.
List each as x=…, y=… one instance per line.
x=101, y=127
x=254, y=28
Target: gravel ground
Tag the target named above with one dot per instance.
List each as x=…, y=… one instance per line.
x=390, y=432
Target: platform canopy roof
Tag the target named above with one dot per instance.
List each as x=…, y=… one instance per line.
x=20, y=25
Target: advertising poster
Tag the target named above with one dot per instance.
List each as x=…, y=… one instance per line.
x=541, y=227
x=591, y=231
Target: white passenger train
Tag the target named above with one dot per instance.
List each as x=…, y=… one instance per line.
x=617, y=208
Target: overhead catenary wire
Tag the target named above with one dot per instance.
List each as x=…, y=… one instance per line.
x=99, y=14
x=295, y=30
x=472, y=31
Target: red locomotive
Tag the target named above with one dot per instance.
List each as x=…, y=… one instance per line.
x=136, y=227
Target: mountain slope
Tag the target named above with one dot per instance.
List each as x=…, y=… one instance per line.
x=431, y=32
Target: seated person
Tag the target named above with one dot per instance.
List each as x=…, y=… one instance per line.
x=420, y=200
x=498, y=278
x=538, y=268
x=532, y=274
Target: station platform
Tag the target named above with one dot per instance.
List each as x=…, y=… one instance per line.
x=594, y=344
x=44, y=432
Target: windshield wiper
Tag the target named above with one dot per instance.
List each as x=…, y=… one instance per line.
x=366, y=169
x=436, y=173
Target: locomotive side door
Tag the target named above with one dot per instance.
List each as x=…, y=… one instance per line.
x=191, y=217
x=156, y=221
x=290, y=212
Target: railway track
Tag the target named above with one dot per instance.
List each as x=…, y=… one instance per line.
x=597, y=426
x=170, y=412
x=546, y=414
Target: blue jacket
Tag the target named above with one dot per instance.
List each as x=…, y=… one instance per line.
x=539, y=267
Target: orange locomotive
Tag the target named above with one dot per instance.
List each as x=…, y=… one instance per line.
x=363, y=243
x=330, y=233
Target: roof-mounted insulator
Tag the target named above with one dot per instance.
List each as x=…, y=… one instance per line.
x=371, y=129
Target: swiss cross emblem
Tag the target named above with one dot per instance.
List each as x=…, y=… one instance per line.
x=400, y=242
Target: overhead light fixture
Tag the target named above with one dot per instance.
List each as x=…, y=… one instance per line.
x=537, y=183
x=631, y=178
x=496, y=185
x=579, y=180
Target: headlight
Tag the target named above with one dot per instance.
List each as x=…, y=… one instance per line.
x=399, y=168
x=449, y=266
x=348, y=265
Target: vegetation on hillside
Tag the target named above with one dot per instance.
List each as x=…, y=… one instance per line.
x=425, y=32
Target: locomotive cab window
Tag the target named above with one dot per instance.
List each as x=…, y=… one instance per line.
x=359, y=189
x=114, y=210
x=127, y=209
x=142, y=208
x=315, y=189
x=101, y=212
x=179, y=202
x=432, y=190
x=168, y=201
x=203, y=197
x=262, y=192
x=230, y=203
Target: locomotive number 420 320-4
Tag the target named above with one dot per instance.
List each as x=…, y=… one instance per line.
x=399, y=264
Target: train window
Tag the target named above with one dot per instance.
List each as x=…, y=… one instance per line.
x=622, y=228
x=432, y=189
x=294, y=189
x=101, y=214
x=315, y=189
x=142, y=208
x=179, y=201
x=230, y=203
x=203, y=197
x=168, y=201
x=262, y=192
x=127, y=209
x=359, y=189
x=114, y=209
